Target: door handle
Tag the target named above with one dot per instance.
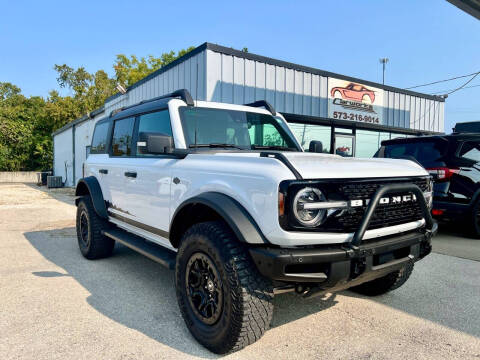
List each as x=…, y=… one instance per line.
x=103, y=171
x=131, y=174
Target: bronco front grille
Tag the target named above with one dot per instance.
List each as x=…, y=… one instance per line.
x=349, y=220
x=384, y=215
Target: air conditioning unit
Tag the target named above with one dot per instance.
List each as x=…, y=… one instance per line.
x=54, y=181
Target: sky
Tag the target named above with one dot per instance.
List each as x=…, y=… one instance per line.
x=425, y=40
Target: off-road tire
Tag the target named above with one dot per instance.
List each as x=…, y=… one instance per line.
x=385, y=284
x=247, y=296
x=93, y=245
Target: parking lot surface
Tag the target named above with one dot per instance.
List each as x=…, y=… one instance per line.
x=54, y=304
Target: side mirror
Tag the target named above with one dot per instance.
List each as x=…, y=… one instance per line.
x=154, y=143
x=315, y=146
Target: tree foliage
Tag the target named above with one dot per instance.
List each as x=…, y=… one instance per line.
x=26, y=123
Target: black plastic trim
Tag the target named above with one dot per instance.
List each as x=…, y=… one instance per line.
x=153, y=251
x=95, y=192
x=140, y=225
x=282, y=158
x=183, y=94
x=235, y=215
x=265, y=104
x=272, y=262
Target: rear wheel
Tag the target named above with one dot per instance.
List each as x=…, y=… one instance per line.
x=385, y=284
x=475, y=220
x=92, y=243
x=225, y=302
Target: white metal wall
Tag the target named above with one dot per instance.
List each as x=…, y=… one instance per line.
x=215, y=76
x=237, y=80
x=189, y=74
x=63, y=156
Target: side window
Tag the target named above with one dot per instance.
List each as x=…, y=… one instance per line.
x=471, y=151
x=156, y=122
x=122, y=137
x=265, y=135
x=99, y=141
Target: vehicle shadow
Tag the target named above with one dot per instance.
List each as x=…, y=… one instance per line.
x=140, y=294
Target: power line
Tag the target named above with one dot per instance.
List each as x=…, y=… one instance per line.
x=461, y=87
x=446, y=91
x=445, y=80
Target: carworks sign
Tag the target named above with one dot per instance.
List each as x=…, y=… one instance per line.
x=355, y=102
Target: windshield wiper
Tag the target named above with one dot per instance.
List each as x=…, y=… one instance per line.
x=215, y=145
x=272, y=147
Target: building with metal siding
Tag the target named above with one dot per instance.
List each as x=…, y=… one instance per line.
x=304, y=95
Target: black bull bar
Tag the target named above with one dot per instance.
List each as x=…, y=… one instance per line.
x=374, y=202
x=344, y=259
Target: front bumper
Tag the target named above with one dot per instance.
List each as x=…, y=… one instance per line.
x=333, y=266
x=336, y=267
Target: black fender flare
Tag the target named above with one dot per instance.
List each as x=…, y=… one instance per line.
x=90, y=186
x=235, y=215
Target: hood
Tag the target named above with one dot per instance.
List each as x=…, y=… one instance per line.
x=314, y=166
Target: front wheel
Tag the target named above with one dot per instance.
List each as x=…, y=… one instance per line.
x=225, y=302
x=386, y=283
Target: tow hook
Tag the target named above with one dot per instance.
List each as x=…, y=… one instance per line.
x=357, y=267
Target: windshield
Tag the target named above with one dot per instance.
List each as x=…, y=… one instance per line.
x=238, y=129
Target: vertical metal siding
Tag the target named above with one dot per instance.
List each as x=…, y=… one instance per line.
x=189, y=75
x=62, y=151
x=237, y=80
x=279, y=101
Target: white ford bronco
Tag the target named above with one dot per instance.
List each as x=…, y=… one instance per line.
x=225, y=195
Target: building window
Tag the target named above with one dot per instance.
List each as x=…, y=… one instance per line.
x=368, y=142
x=308, y=132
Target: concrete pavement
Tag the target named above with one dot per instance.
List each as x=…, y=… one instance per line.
x=54, y=304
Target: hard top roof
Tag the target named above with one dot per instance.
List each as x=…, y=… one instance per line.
x=454, y=136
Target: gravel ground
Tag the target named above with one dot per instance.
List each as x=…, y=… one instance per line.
x=56, y=305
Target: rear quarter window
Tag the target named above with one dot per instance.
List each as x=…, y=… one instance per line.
x=470, y=150
x=99, y=140
x=426, y=153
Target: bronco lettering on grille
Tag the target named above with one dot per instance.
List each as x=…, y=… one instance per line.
x=392, y=200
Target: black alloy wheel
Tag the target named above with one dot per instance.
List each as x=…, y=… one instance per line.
x=204, y=288
x=84, y=228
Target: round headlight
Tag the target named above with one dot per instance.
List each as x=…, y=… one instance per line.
x=308, y=217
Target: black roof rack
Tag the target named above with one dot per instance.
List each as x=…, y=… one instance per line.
x=265, y=104
x=183, y=94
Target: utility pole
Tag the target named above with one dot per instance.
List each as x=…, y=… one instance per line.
x=383, y=61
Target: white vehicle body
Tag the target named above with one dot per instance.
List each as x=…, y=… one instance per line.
x=152, y=198
x=226, y=195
